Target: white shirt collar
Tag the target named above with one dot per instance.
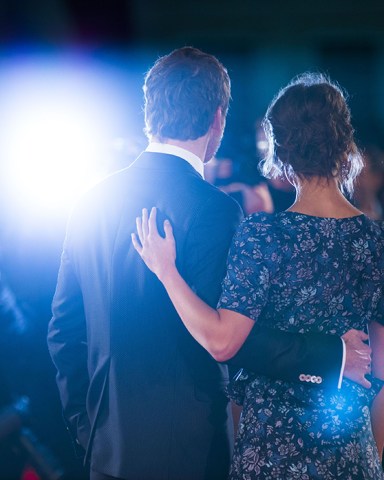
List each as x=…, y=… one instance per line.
x=186, y=155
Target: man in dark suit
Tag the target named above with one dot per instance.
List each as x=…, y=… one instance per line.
x=143, y=399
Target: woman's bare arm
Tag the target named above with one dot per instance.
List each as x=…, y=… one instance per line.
x=221, y=332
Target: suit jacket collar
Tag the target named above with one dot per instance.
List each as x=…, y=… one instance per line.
x=177, y=151
x=164, y=162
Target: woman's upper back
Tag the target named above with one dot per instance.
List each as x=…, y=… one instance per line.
x=298, y=272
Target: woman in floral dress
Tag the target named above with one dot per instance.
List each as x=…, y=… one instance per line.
x=320, y=264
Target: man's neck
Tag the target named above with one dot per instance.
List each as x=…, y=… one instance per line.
x=197, y=147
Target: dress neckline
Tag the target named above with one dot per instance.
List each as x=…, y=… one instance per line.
x=352, y=217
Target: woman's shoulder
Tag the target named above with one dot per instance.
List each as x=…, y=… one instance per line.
x=258, y=220
x=261, y=239
x=373, y=229
x=377, y=226
x=259, y=227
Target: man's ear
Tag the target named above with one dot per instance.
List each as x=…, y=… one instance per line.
x=218, y=120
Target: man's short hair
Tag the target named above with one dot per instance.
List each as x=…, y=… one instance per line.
x=182, y=92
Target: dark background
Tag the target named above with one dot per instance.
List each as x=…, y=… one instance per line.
x=262, y=43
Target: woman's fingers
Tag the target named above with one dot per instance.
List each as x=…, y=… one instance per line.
x=158, y=253
x=146, y=229
x=168, y=230
x=152, y=227
x=142, y=226
x=146, y=226
x=144, y=223
x=139, y=230
x=136, y=244
x=147, y=236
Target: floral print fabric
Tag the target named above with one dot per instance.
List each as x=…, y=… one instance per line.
x=299, y=273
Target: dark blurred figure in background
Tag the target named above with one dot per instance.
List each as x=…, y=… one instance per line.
x=22, y=455
x=25, y=408
x=13, y=333
x=368, y=195
x=226, y=174
x=13, y=330
x=29, y=259
x=239, y=176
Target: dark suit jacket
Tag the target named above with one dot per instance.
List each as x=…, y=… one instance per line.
x=140, y=395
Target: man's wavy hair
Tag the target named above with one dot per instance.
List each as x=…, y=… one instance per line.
x=182, y=93
x=309, y=132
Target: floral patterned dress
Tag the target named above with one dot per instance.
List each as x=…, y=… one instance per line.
x=300, y=273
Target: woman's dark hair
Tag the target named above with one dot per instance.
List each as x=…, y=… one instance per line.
x=309, y=132
x=182, y=93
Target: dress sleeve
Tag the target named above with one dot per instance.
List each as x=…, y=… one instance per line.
x=246, y=285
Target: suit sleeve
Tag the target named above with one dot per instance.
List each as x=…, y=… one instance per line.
x=313, y=358
x=67, y=343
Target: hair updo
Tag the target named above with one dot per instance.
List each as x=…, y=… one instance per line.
x=309, y=132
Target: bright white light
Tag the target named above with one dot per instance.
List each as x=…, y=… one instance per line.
x=52, y=153
x=54, y=133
